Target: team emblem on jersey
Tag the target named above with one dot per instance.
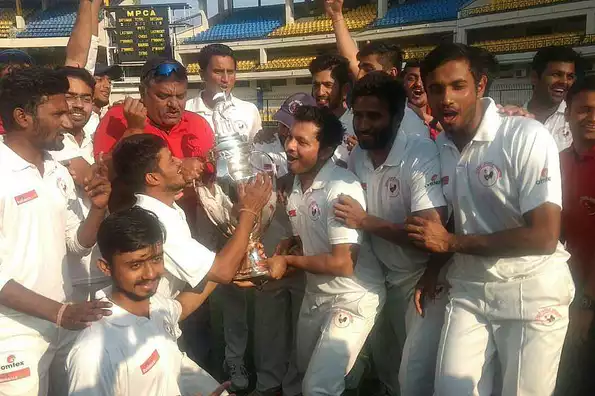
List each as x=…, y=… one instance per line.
x=488, y=174
x=393, y=186
x=589, y=204
x=314, y=211
x=62, y=186
x=547, y=316
x=342, y=319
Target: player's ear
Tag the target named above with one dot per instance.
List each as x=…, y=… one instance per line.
x=104, y=267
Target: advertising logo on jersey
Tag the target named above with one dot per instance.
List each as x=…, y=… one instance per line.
x=393, y=186
x=544, y=177
x=13, y=369
x=488, y=174
x=434, y=181
x=314, y=211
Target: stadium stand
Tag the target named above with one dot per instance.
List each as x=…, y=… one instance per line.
x=507, y=5
x=418, y=11
x=267, y=114
x=355, y=19
x=532, y=43
x=243, y=24
x=290, y=62
x=243, y=65
x=53, y=22
x=416, y=53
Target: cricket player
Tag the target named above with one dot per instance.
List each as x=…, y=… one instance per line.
x=344, y=282
x=553, y=71
x=401, y=176
x=41, y=221
x=511, y=286
x=135, y=352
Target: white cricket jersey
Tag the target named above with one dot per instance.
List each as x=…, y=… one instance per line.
x=558, y=127
x=411, y=124
x=83, y=270
x=186, y=260
x=408, y=181
x=312, y=218
x=277, y=153
x=39, y=220
x=341, y=152
x=245, y=115
x=128, y=355
x=509, y=168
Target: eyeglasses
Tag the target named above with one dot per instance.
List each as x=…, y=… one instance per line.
x=164, y=69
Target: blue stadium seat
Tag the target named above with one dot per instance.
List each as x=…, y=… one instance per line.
x=54, y=22
x=419, y=11
x=243, y=24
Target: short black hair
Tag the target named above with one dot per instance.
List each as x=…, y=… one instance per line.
x=586, y=84
x=390, y=55
x=384, y=87
x=127, y=231
x=557, y=54
x=330, y=128
x=134, y=157
x=27, y=88
x=481, y=62
x=211, y=50
x=78, y=73
x=338, y=65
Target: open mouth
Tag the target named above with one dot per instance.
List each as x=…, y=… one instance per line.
x=417, y=92
x=75, y=115
x=558, y=92
x=449, y=116
x=149, y=286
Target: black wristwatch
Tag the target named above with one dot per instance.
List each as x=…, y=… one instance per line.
x=587, y=303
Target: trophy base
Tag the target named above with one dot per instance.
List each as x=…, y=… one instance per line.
x=252, y=267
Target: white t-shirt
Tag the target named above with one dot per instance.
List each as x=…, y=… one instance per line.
x=558, y=127
x=125, y=355
x=245, y=114
x=341, y=152
x=312, y=218
x=509, y=168
x=39, y=221
x=409, y=181
x=186, y=260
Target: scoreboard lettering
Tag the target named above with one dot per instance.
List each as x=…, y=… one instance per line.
x=141, y=33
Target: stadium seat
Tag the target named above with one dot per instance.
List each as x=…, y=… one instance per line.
x=53, y=22
x=507, y=5
x=418, y=11
x=242, y=24
x=532, y=43
x=285, y=63
x=243, y=65
x=355, y=19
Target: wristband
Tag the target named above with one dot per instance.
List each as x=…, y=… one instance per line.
x=249, y=211
x=60, y=314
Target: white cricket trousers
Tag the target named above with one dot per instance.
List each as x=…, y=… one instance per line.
x=518, y=324
x=331, y=332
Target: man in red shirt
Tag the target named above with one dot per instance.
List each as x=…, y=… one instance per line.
x=578, y=228
x=160, y=111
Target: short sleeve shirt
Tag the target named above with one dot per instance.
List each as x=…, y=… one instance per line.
x=407, y=182
x=191, y=137
x=312, y=218
x=509, y=168
x=558, y=127
x=126, y=355
x=186, y=260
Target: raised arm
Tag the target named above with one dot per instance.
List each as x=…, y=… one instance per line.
x=77, y=49
x=345, y=44
x=191, y=299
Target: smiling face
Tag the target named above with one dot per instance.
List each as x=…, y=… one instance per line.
x=555, y=81
x=169, y=174
x=326, y=90
x=165, y=102
x=372, y=123
x=103, y=89
x=136, y=274
x=416, y=94
x=454, y=96
x=80, y=102
x=581, y=118
x=303, y=148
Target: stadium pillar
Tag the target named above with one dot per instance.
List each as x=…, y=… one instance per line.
x=221, y=7
x=289, y=12
x=20, y=21
x=590, y=22
x=263, y=58
x=460, y=36
x=382, y=8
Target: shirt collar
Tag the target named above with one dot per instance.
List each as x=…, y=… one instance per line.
x=153, y=204
x=121, y=317
x=323, y=176
x=201, y=106
x=490, y=122
x=560, y=110
x=17, y=164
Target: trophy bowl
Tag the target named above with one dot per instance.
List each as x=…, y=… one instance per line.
x=236, y=163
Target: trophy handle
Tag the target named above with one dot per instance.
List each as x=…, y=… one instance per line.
x=270, y=159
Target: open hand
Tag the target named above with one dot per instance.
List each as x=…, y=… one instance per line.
x=220, y=390
x=350, y=212
x=428, y=235
x=512, y=110
x=192, y=169
x=79, y=316
x=256, y=194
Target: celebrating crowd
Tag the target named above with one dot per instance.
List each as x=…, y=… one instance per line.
x=427, y=239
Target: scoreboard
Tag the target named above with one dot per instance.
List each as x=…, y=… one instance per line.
x=141, y=32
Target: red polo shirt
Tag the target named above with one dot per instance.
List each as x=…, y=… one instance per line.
x=192, y=137
x=578, y=215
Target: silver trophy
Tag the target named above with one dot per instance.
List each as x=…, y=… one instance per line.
x=236, y=162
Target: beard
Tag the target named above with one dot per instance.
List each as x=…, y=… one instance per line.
x=380, y=139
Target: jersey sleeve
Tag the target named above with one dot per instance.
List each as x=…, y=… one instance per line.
x=187, y=259
x=91, y=370
x=339, y=233
x=425, y=182
x=92, y=56
x=110, y=130
x=537, y=169
x=74, y=218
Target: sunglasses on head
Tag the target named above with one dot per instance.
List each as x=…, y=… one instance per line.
x=165, y=69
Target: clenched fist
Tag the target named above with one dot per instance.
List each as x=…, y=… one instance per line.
x=135, y=113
